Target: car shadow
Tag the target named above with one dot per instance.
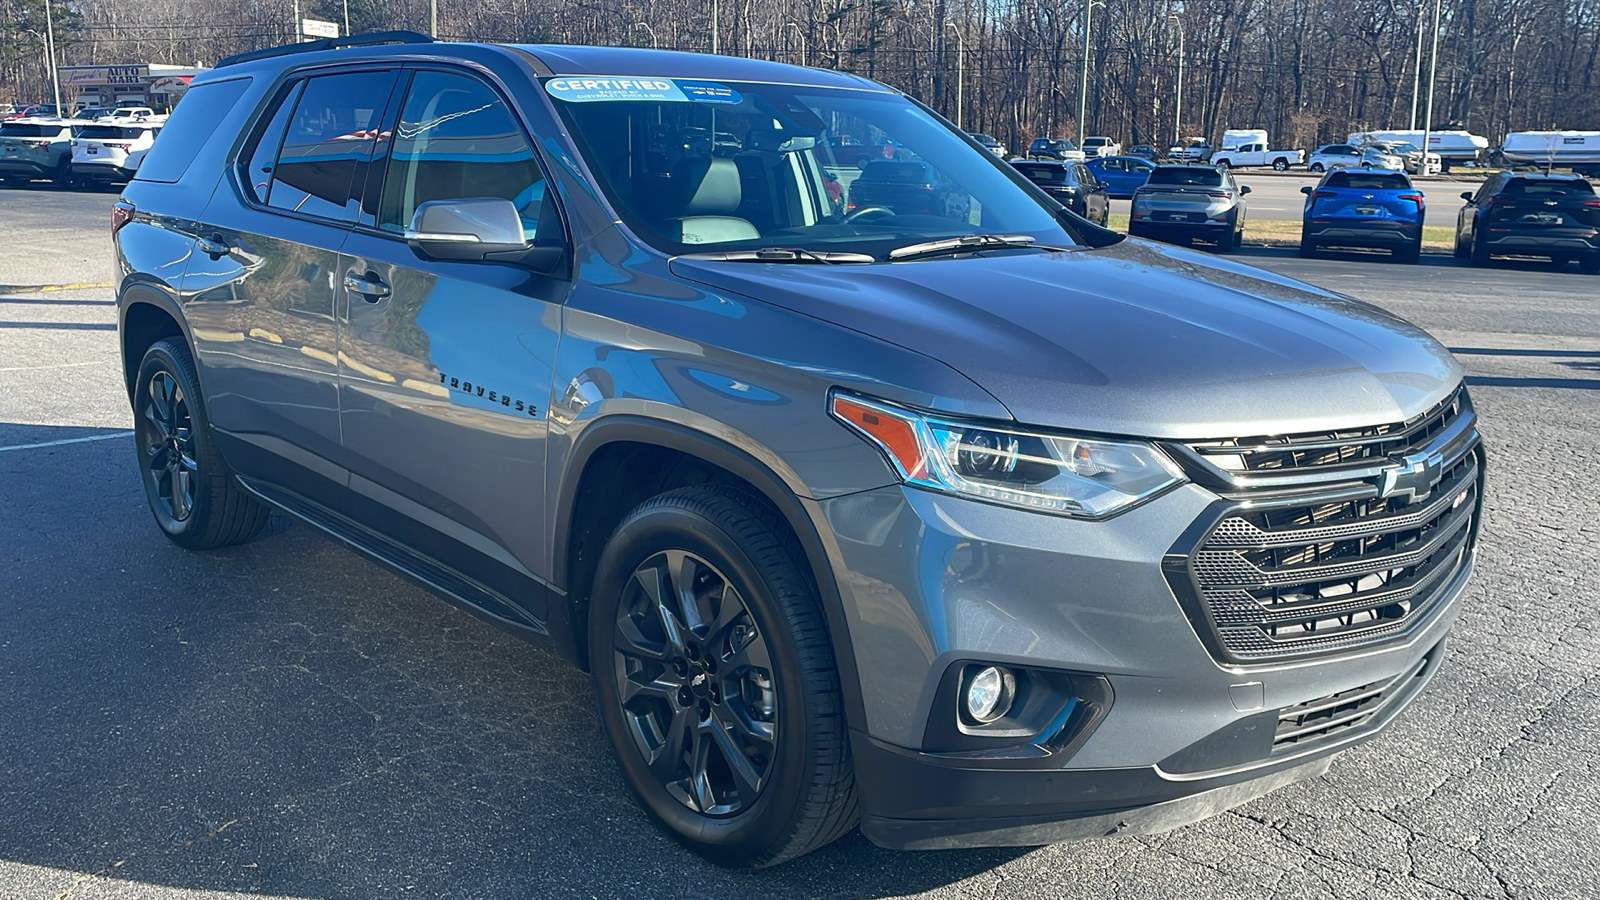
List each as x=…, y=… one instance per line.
x=283, y=717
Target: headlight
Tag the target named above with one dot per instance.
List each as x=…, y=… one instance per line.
x=1073, y=476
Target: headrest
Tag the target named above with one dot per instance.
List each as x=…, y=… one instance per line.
x=706, y=187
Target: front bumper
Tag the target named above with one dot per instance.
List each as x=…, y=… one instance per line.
x=930, y=582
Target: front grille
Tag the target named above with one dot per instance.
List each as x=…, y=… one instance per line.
x=1333, y=565
x=1344, y=713
x=1321, y=450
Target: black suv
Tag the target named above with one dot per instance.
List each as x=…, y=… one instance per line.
x=892, y=495
x=1071, y=184
x=1525, y=214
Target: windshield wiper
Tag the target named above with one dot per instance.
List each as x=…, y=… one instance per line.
x=783, y=255
x=970, y=243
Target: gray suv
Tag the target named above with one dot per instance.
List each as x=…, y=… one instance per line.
x=965, y=524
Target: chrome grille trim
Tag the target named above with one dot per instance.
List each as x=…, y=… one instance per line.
x=1327, y=564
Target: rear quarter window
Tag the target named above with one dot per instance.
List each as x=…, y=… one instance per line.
x=188, y=128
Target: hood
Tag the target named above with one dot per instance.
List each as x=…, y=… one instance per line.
x=1135, y=339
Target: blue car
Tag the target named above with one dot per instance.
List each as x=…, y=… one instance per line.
x=1363, y=210
x=1122, y=175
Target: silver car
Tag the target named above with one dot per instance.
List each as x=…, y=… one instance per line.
x=1187, y=203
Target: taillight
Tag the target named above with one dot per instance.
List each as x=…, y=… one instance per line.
x=1591, y=202
x=1500, y=201
x=121, y=214
x=1414, y=198
x=1219, y=194
x=1320, y=195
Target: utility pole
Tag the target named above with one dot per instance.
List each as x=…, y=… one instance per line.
x=346, y=18
x=433, y=19
x=1433, y=70
x=1177, y=115
x=654, y=44
x=1083, y=81
x=1416, y=72
x=50, y=48
x=715, y=46
x=961, y=74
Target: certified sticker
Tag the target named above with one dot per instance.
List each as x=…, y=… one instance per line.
x=660, y=90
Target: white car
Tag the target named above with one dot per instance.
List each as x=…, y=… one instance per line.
x=107, y=152
x=1412, y=156
x=1100, y=146
x=1334, y=156
x=36, y=148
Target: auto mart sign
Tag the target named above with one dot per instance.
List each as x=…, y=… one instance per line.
x=93, y=76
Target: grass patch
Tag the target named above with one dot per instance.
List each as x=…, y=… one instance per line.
x=1272, y=233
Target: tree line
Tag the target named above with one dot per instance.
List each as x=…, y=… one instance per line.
x=1308, y=71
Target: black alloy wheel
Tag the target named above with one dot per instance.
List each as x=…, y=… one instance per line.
x=696, y=683
x=716, y=679
x=193, y=497
x=166, y=437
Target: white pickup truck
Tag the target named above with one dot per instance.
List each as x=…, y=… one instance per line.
x=1255, y=153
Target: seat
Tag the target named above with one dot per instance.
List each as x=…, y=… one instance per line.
x=706, y=193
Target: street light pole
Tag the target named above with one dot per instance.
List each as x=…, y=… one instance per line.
x=1177, y=116
x=346, y=18
x=961, y=74
x=714, y=10
x=654, y=44
x=1433, y=70
x=802, y=34
x=1083, y=80
x=50, y=48
x=433, y=19
x=1416, y=72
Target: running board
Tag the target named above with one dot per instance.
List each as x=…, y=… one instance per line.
x=461, y=591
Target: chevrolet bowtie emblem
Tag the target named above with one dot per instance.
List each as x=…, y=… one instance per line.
x=1412, y=476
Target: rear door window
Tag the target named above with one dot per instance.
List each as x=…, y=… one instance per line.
x=456, y=139
x=329, y=139
x=190, y=126
x=257, y=169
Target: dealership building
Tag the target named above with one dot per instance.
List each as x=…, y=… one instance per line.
x=139, y=84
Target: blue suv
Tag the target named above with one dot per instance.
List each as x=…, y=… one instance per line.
x=1370, y=209
x=965, y=522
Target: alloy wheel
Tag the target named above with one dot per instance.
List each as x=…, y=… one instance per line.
x=167, y=439
x=696, y=683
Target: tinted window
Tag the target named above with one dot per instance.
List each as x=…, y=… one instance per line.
x=190, y=125
x=1526, y=187
x=1368, y=181
x=29, y=131
x=457, y=139
x=111, y=133
x=257, y=172
x=1044, y=174
x=329, y=138
x=1185, y=175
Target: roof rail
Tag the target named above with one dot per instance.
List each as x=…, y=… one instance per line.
x=368, y=39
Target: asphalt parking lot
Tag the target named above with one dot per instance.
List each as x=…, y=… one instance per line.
x=285, y=719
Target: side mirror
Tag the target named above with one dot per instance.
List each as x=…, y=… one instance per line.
x=1306, y=190
x=472, y=228
x=1244, y=189
x=1467, y=196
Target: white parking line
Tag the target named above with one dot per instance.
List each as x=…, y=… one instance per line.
x=98, y=437
x=52, y=366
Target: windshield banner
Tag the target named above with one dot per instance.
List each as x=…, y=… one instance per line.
x=659, y=90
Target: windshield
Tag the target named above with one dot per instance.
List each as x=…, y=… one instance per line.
x=695, y=166
x=29, y=131
x=1403, y=148
x=103, y=132
x=1186, y=175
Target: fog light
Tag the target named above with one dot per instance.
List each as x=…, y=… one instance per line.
x=988, y=693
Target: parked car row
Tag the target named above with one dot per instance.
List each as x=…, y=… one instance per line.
x=72, y=152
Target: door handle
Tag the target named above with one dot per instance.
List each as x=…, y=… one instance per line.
x=369, y=287
x=213, y=246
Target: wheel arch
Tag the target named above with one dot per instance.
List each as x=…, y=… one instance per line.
x=592, y=500
x=146, y=315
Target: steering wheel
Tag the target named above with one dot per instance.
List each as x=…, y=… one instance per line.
x=880, y=211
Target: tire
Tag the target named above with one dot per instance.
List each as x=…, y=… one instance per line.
x=62, y=178
x=195, y=500
x=1590, y=264
x=787, y=723
x=1308, y=249
x=1462, y=251
x=1222, y=163
x=1280, y=164
x=1409, y=253
x=1317, y=167
x=1480, y=252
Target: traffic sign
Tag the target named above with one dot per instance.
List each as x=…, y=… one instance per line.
x=318, y=28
